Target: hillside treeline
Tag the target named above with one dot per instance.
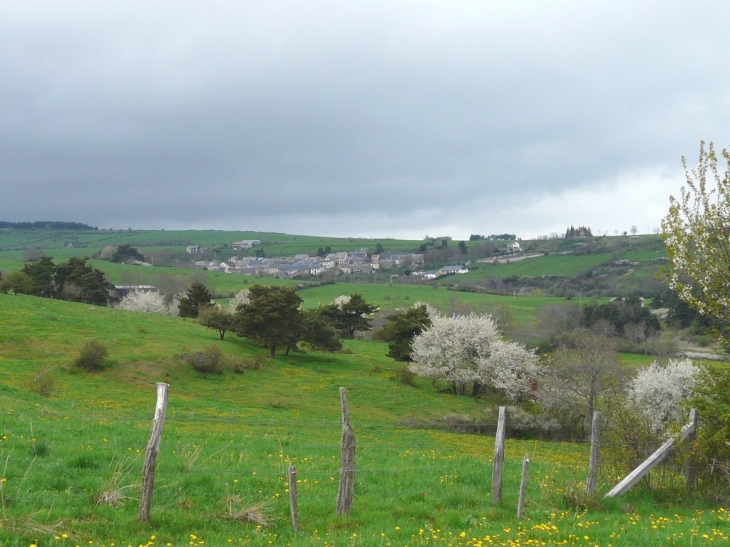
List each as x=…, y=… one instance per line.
x=45, y=225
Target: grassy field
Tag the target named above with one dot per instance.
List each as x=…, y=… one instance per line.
x=59, y=242
x=72, y=462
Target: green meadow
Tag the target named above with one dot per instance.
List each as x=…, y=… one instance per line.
x=72, y=461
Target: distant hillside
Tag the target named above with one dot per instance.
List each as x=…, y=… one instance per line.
x=592, y=266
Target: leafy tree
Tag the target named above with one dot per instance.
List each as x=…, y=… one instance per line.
x=18, y=282
x=127, y=253
x=379, y=249
x=77, y=281
x=43, y=277
x=271, y=317
x=621, y=314
x=215, y=317
x=712, y=450
x=467, y=350
x=196, y=299
x=349, y=314
x=400, y=329
x=462, y=247
x=318, y=332
x=697, y=239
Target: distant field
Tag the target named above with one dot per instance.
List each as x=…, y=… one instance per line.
x=56, y=242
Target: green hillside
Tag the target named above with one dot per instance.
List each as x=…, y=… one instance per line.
x=72, y=462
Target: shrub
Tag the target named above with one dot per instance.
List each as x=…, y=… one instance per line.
x=404, y=376
x=92, y=356
x=209, y=361
x=42, y=382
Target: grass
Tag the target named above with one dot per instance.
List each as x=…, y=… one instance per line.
x=72, y=462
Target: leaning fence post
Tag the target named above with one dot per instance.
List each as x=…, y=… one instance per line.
x=690, y=470
x=153, y=447
x=498, y=458
x=595, y=453
x=346, y=490
x=523, y=488
x=292, y=472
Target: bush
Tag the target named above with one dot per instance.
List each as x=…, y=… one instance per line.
x=91, y=357
x=209, y=361
x=404, y=376
x=42, y=382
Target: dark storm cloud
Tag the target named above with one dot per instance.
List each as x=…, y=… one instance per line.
x=382, y=118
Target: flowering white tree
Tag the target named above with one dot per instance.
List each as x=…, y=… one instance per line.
x=697, y=239
x=144, y=301
x=510, y=368
x=240, y=298
x=658, y=390
x=467, y=349
x=341, y=300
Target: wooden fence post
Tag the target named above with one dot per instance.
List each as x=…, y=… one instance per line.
x=153, y=447
x=690, y=471
x=498, y=458
x=595, y=452
x=346, y=490
x=637, y=474
x=293, y=498
x=523, y=488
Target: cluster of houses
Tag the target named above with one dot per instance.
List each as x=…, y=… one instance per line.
x=302, y=265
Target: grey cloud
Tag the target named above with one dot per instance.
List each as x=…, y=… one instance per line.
x=296, y=114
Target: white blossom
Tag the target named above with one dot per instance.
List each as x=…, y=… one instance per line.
x=658, y=390
x=240, y=298
x=144, y=301
x=466, y=349
x=341, y=300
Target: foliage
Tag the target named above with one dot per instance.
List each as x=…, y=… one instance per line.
x=146, y=302
x=401, y=328
x=626, y=315
x=349, y=314
x=712, y=450
x=92, y=356
x=214, y=317
x=208, y=361
x=42, y=275
x=17, y=282
x=78, y=281
x=126, y=253
x=658, y=391
x=43, y=382
x=317, y=332
x=271, y=317
x=697, y=239
x=467, y=350
x=73, y=280
x=196, y=299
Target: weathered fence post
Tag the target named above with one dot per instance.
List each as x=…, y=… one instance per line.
x=293, y=498
x=690, y=471
x=346, y=490
x=595, y=452
x=637, y=474
x=153, y=447
x=523, y=488
x=498, y=458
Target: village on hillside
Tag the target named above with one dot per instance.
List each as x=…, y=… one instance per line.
x=303, y=265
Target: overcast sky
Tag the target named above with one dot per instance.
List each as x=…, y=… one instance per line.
x=378, y=118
